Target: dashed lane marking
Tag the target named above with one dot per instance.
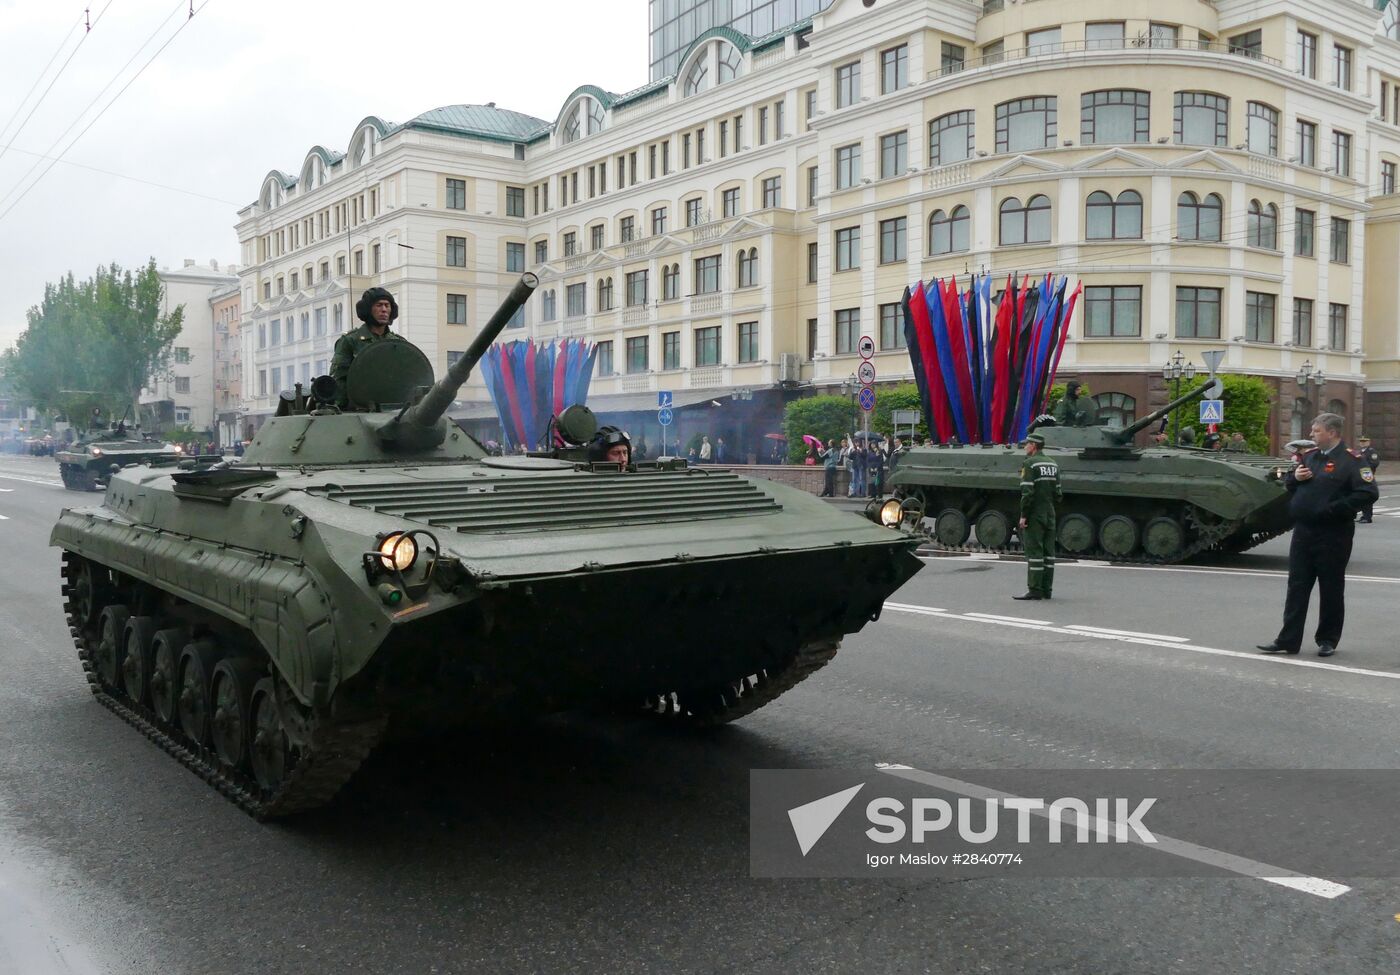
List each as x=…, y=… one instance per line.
x=1243, y=866
x=1149, y=636
x=1007, y=619
x=49, y=482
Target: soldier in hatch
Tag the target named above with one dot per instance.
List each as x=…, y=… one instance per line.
x=377, y=309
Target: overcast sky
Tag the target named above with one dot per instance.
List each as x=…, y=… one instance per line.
x=245, y=87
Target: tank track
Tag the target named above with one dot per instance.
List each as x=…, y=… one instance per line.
x=742, y=697
x=331, y=756
x=1210, y=538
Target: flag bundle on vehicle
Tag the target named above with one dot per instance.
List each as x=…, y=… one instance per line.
x=529, y=383
x=984, y=367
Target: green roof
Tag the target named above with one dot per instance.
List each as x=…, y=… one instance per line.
x=480, y=121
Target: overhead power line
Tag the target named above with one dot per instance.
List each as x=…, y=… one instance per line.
x=125, y=176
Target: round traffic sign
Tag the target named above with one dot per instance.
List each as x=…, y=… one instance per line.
x=866, y=373
x=866, y=347
x=867, y=399
x=664, y=416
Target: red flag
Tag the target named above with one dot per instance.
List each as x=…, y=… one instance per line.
x=508, y=381
x=953, y=314
x=1006, y=340
x=938, y=406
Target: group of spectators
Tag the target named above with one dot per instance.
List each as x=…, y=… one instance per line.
x=867, y=464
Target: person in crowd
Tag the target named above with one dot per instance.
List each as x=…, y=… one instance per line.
x=719, y=450
x=831, y=457
x=707, y=450
x=1371, y=459
x=1237, y=444
x=1328, y=487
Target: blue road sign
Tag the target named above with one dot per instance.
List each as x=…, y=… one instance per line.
x=664, y=398
x=1212, y=411
x=664, y=416
x=867, y=398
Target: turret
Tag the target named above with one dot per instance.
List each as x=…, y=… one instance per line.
x=1210, y=390
x=1116, y=441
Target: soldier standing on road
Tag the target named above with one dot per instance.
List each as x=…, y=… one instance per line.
x=1371, y=459
x=1040, y=492
x=377, y=309
x=1327, y=488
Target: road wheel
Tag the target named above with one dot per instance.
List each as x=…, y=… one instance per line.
x=1118, y=535
x=87, y=586
x=269, y=753
x=107, y=655
x=165, y=659
x=1076, y=533
x=951, y=528
x=1163, y=538
x=136, y=657
x=194, y=706
x=88, y=481
x=993, y=529
x=234, y=678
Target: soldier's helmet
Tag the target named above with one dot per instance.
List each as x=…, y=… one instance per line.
x=1036, y=439
x=364, y=306
x=1073, y=387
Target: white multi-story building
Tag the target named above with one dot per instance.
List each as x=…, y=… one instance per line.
x=1221, y=175
x=187, y=394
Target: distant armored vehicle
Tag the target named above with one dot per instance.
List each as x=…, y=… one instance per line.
x=87, y=463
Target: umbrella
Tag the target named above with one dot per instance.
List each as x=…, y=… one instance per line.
x=774, y=436
x=807, y=438
x=872, y=435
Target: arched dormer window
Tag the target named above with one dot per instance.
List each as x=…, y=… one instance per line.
x=713, y=64
x=362, y=147
x=584, y=117
x=697, y=79
x=273, y=194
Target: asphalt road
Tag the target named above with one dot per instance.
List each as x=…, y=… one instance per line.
x=583, y=843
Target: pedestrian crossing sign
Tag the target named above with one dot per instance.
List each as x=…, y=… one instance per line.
x=1212, y=411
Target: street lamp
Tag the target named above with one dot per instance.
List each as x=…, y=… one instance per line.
x=849, y=387
x=1176, y=371
x=1307, y=375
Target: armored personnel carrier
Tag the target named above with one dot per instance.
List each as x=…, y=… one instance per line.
x=1125, y=503
x=88, y=462
x=366, y=571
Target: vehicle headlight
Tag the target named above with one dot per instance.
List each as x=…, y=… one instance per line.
x=891, y=513
x=179, y=449
x=398, y=551
x=96, y=451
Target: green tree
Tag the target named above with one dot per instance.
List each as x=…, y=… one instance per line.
x=827, y=417
x=1248, y=405
x=94, y=344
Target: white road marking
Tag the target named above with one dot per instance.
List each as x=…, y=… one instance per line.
x=1008, y=619
x=1276, y=659
x=54, y=482
x=1149, y=636
x=1243, y=866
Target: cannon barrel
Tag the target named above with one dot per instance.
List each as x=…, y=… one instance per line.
x=428, y=410
x=1133, y=429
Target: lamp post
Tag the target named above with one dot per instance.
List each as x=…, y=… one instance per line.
x=1309, y=376
x=1176, y=371
x=849, y=386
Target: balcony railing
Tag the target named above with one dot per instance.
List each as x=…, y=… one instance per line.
x=574, y=326
x=636, y=384
x=707, y=231
x=703, y=377
x=635, y=248
x=706, y=304
x=1047, y=51
x=949, y=175
x=637, y=315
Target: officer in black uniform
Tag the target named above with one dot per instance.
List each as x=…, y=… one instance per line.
x=1371, y=459
x=1327, y=488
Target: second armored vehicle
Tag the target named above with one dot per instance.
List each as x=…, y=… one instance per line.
x=88, y=462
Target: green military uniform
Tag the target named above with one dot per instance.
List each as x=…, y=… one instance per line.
x=1040, y=492
x=1073, y=411
x=346, y=348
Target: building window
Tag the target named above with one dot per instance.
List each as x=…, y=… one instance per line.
x=293, y=277
x=541, y=251
x=1263, y=226
x=636, y=288
x=515, y=257
x=994, y=53
x=809, y=107
x=811, y=339
x=1201, y=119
x=1250, y=44
x=182, y=384
x=638, y=356
x=515, y=201
x=1307, y=143
x=340, y=265
x=748, y=267
x=320, y=322
x=1113, y=117
x=1165, y=36
x=658, y=221
x=182, y=355
x=549, y=306
x=950, y=232
x=605, y=358
x=1199, y=218
x=1302, y=322
x=707, y=274
x=748, y=341
x=595, y=237
x=1259, y=311
x=1337, y=327
x=848, y=248
x=892, y=236
x=1341, y=241
x=1113, y=311
x=338, y=314
x=1307, y=54
x=1261, y=134
x=894, y=154
x=950, y=138
x=374, y=251
x=627, y=229
x=1341, y=153
x=1304, y=225
x=848, y=84
x=276, y=380
x=456, y=252
x=605, y=294
x=1341, y=67
x=671, y=350
x=763, y=125
x=456, y=309
x=456, y=194
x=772, y=192
x=847, y=330
x=1026, y=123
x=892, y=326
x=1025, y=225
x=670, y=282
x=812, y=263
x=1198, y=313
x=1110, y=219
x=576, y=300
x=847, y=166
x=275, y=332
x=729, y=202
x=894, y=69
x=570, y=244
x=692, y=212
x=707, y=346
x=811, y=186
x=1387, y=178
x=262, y=382
x=952, y=58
